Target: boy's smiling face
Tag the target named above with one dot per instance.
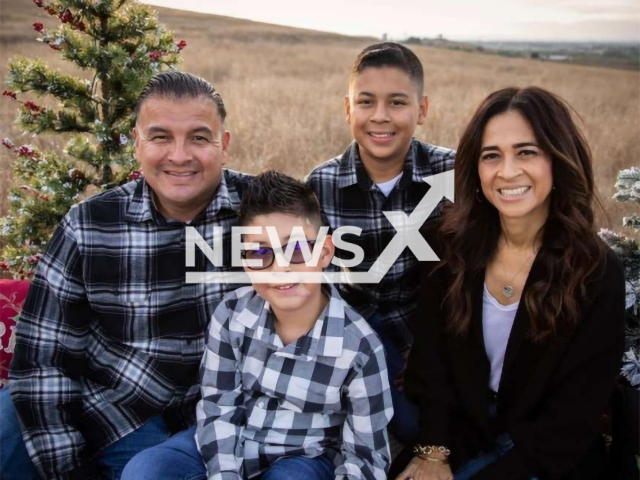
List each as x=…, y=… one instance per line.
x=383, y=108
x=296, y=296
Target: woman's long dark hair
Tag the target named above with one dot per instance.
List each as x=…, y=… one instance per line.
x=571, y=251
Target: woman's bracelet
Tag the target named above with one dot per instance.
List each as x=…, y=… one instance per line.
x=441, y=461
x=429, y=449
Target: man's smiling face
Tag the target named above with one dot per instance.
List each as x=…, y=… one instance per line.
x=182, y=146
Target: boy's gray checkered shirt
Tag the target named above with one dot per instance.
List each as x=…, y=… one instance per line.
x=326, y=393
x=110, y=334
x=349, y=197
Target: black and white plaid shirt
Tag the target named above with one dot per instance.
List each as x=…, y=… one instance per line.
x=349, y=197
x=326, y=393
x=111, y=335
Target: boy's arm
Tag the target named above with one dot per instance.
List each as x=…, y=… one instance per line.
x=49, y=360
x=365, y=444
x=316, y=185
x=220, y=412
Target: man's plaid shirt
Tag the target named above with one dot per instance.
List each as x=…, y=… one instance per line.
x=111, y=335
x=326, y=393
x=349, y=197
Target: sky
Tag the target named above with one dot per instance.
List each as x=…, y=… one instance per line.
x=525, y=20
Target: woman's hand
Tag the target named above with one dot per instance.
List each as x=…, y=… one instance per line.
x=419, y=469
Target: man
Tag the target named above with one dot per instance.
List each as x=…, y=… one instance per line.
x=111, y=336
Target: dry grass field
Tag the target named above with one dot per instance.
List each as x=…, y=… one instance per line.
x=284, y=91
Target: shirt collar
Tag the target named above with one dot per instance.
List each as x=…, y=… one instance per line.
x=352, y=169
x=226, y=198
x=142, y=205
x=325, y=338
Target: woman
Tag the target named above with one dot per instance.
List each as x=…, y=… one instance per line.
x=520, y=334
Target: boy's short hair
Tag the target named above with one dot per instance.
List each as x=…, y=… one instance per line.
x=179, y=85
x=390, y=54
x=274, y=192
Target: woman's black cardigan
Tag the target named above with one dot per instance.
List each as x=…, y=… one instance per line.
x=551, y=396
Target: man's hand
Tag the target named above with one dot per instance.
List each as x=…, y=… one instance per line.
x=419, y=469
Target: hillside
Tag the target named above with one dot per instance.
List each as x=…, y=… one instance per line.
x=284, y=90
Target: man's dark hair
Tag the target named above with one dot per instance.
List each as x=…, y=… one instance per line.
x=273, y=192
x=180, y=85
x=390, y=54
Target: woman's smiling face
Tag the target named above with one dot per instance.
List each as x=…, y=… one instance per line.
x=515, y=173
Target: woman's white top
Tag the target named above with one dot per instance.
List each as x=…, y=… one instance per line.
x=497, y=321
x=387, y=186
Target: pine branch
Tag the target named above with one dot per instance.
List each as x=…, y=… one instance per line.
x=121, y=45
x=34, y=76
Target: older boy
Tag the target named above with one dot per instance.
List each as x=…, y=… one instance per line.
x=294, y=382
x=382, y=170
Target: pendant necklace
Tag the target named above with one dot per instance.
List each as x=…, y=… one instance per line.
x=507, y=289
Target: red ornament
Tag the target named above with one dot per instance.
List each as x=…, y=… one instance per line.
x=81, y=26
x=10, y=94
x=26, y=150
x=38, y=3
x=55, y=47
x=8, y=143
x=38, y=27
x=155, y=55
x=181, y=44
x=33, y=107
x=135, y=175
x=66, y=16
x=4, y=266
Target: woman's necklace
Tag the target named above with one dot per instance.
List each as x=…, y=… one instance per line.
x=507, y=289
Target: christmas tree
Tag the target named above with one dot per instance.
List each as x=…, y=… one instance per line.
x=628, y=250
x=120, y=45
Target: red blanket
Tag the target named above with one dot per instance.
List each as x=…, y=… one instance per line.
x=12, y=295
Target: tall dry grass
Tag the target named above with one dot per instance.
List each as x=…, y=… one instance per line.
x=284, y=91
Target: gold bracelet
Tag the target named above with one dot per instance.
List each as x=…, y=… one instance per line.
x=441, y=461
x=429, y=449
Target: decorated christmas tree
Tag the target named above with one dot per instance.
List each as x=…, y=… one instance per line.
x=119, y=45
x=628, y=250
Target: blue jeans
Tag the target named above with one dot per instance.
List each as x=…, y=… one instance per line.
x=503, y=443
x=406, y=415
x=301, y=468
x=178, y=459
x=473, y=466
x=15, y=463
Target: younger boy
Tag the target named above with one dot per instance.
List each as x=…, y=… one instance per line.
x=294, y=382
x=382, y=170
